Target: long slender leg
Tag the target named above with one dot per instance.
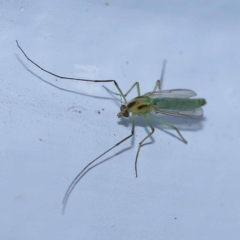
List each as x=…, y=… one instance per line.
x=157, y=85
x=78, y=177
x=140, y=144
x=159, y=82
x=125, y=95
x=169, y=125
x=138, y=89
x=162, y=73
x=68, y=78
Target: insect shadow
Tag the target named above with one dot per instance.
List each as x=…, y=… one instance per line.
x=60, y=88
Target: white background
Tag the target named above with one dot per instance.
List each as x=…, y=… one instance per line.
x=183, y=191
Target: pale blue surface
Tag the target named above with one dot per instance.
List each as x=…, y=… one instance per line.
x=183, y=191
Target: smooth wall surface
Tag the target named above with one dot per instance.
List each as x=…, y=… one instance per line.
x=51, y=128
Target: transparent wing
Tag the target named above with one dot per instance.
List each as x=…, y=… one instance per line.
x=173, y=93
x=195, y=113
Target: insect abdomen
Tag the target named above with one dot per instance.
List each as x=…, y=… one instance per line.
x=178, y=103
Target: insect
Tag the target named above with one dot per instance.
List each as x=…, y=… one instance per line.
x=175, y=102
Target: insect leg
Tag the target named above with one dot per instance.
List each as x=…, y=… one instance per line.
x=162, y=75
x=159, y=82
x=169, y=125
x=69, y=78
x=140, y=144
x=157, y=85
x=138, y=89
x=135, y=84
x=80, y=174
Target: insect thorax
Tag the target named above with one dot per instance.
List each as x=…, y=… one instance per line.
x=139, y=105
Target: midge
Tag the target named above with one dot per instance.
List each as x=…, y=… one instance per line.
x=175, y=102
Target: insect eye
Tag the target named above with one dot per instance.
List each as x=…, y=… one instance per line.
x=123, y=107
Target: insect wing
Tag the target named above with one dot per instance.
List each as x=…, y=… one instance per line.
x=173, y=93
x=195, y=113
